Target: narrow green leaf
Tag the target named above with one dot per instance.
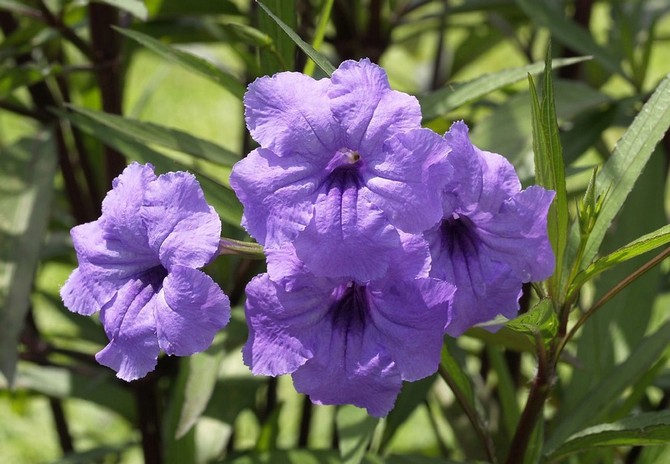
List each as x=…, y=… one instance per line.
x=149, y=133
x=448, y=98
x=26, y=174
x=188, y=61
x=202, y=372
x=318, y=58
x=136, y=8
x=412, y=395
x=461, y=380
x=651, y=428
x=14, y=77
x=551, y=16
x=549, y=165
x=320, y=33
x=506, y=390
x=354, y=429
x=288, y=457
x=281, y=56
x=635, y=248
x=541, y=320
x=611, y=386
x=623, y=168
x=218, y=195
x=18, y=8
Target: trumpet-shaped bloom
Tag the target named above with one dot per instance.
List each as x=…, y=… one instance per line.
x=348, y=342
x=138, y=266
x=493, y=236
x=342, y=166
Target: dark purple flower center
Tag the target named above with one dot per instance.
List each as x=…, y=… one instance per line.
x=350, y=309
x=458, y=235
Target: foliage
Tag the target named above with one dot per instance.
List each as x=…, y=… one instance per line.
x=581, y=375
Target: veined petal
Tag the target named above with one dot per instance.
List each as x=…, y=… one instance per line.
x=410, y=316
x=130, y=324
x=518, y=236
x=289, y=113
x=283, y=326
x=365, y=106
x=181, y=227
x=406, y=179
x=189, y=310
x=277, y=194
x=120, y=207
x=350, y=366
x=348, y=236
x=83, y=295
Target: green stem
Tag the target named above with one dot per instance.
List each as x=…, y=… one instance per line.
x=472, y=414
x=609, y=295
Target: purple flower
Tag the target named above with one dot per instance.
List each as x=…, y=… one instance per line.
x=138, y=266
x=343, y=165
x=493, y=236
x=348, y=342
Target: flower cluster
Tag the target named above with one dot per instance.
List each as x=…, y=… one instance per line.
x=380, y=236
x=138, y=266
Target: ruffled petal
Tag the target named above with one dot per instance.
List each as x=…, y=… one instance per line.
x=289, y=113
x=190, y=309
x=517, y=235
x=406, y=179
x=348, y=236
x=484, y=287
x=410, y=316
x=105, y=265
x=283, y=326
x=119, y=217
x=277, y=194
x=369, y=111
x=350, y=366
x=130, y=323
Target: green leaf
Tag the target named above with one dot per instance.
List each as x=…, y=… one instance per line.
x=188, y=61
x=354, y=429
x=652, y=428
x=320, y=33
x=281, y=56
x=632, y=250
x=287, y=457
x=19, y=8
x=412, y=395
x=14, y=77
x=549, y=165
x=217, y=194
x=540, y=320
x=448, y=98
x=134, y=7
x=26, y=174
x=611, y=386
x=318, y=58
x=149, y=133
x=506, y=390
x=552, y=16
x=623, y=168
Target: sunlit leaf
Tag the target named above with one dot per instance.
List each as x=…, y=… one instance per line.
x=651, y=428
x=188, y=61
x=26, y=178
x=318, y=58
x=453, y=95
x=354, y=429
x=134, y=7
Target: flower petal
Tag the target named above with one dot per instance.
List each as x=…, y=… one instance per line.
x=410, y=316
x=277, y=194
x=289, y=113
x=122, y=203
x=406, y=179
x=364, y=104
x=283, y=325
x=348, y=236
x=350, y=367
x=190, y=309
x=130, y=324
x=182, y=228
